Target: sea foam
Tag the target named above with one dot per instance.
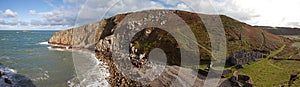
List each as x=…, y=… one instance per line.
x=90, y=71
x=44, y=43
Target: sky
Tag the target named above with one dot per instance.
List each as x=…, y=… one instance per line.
x=64, y=14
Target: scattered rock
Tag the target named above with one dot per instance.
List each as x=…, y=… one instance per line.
x=9, y=78
x=6, y=80
x=0, y=74
x=239, y=66
x=243, y=78
x=228, y=71
x=238, y=80
x=233, y=81
x=293, y=77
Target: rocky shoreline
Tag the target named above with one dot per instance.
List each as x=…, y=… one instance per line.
x=10, y=78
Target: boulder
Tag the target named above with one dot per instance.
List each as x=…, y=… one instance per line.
x=239, y=66
x=6, y=80
x=243, y=78
x=0, y=74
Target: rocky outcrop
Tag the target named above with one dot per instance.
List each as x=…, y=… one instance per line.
x=81, y=37
x=100, y=37
x=237, y=80
x=9, y=78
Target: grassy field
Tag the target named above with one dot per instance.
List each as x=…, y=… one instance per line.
x=268, y=73
x=273, y=53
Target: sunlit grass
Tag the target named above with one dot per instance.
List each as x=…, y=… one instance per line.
x=268, y=73
x=273, y=53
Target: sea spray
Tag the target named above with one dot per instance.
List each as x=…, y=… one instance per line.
x=89, y=70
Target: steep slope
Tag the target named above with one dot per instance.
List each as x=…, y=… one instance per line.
x=98, y=36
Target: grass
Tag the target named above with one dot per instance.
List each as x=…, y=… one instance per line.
x=268, y=73
x=273, y=53
x=296, y=44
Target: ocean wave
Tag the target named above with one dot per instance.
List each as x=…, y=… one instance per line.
x=5, y=57
x=58, y=47
x=44, y=76
x=90, y=71
x=44, y=43
x=10, y=78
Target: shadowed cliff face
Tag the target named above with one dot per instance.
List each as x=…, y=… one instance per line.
x=99, y=36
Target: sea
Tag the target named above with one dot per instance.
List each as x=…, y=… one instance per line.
x=26, y=59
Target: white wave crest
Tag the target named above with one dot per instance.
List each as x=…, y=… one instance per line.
x=90, y=71
x=44, y=43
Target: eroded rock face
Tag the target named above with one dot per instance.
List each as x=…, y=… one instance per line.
x=63, y=37
x=81, y=37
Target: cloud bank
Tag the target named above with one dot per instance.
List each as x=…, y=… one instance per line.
x=79, y=12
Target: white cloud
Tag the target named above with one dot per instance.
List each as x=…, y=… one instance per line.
x=94, y=10
x=12, y=22
x=1, y=21
x=32, y=12
x=182, y=6
x=255, y=12
x=171, y=2
x=60, y=16
x=9, y=13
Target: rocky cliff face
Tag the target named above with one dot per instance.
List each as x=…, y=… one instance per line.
x=99, y=37
x=81, y=37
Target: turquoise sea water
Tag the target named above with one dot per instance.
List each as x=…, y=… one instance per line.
x=28, y=55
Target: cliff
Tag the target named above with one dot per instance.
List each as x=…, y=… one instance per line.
x=99, y=37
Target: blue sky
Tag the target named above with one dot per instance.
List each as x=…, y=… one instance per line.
x=23, y=7
x=63, y=14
